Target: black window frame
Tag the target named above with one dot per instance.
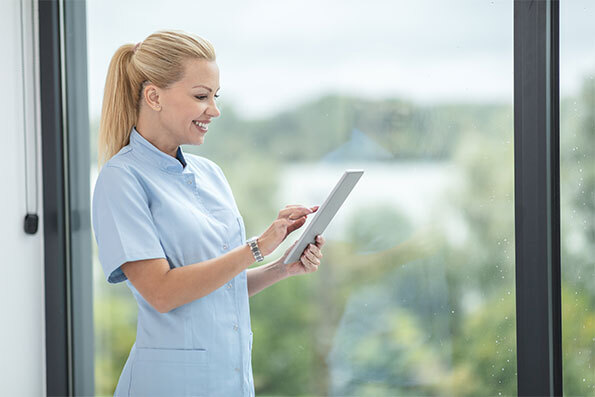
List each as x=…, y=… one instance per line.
x=537, y=197
x=68, y=287
x=67, y=229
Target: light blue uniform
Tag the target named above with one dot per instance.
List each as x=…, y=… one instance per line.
x=146, y=204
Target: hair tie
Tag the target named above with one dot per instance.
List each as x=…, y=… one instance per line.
x=136, y=47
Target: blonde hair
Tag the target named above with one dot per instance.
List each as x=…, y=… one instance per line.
x=159, y=59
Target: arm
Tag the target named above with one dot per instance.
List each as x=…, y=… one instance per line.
x=264, y=276
x=166, y=289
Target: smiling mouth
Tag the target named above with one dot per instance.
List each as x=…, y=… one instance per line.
x=204, y=127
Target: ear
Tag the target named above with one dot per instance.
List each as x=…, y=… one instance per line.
x=151, y=97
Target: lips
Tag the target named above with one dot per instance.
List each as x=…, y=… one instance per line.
x=202, y=125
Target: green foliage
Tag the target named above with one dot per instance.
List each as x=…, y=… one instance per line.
x=283, y=322
x=407, y=309
x=115, y=331
x=578, y=333
x=577, y=196
x=378, y=228
x=486, y=350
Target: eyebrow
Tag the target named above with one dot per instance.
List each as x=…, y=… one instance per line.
x=203, y=86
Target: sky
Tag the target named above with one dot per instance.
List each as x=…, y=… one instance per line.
x=274, y=55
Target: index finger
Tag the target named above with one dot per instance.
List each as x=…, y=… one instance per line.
x=294, y=213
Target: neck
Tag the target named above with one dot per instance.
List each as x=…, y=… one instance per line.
x=150, y=127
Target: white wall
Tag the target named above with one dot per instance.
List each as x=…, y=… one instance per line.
x=22, y=321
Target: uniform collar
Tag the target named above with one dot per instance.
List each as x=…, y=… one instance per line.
x=156, y=156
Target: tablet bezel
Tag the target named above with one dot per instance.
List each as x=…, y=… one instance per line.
x=323, y=217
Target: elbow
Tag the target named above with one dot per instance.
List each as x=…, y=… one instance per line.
x=161, y=303
x=162, y=307
x=161, y=298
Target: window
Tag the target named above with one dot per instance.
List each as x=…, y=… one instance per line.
x=577, y=188
x=416, y=294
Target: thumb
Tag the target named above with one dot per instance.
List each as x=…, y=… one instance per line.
x=290, y=248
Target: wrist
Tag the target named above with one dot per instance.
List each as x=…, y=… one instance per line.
x=262, y=245
x=255, y=249
x=280, y=269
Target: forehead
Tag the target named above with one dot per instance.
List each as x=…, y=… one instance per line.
x=201, y=72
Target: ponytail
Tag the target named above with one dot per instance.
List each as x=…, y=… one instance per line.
x=120, y=105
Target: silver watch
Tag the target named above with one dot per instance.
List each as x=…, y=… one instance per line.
x=253, y=244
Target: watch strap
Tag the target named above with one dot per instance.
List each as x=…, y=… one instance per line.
x=253, y=244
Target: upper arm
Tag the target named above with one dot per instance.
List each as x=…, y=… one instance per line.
x=147, y=276
x=123, y=223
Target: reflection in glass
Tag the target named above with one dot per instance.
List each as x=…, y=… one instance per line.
x=416, y=292
x=577, y=196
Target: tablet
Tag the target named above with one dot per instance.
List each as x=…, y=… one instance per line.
x=325, y=213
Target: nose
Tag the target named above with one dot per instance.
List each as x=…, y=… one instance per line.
x=213, y=110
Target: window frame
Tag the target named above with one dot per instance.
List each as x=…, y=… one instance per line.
x=537, y=197
x=67, y=229
x=68, y=281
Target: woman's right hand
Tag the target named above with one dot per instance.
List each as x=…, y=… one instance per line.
x=291, y=218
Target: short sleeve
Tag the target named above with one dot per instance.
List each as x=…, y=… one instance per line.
x=122, y=222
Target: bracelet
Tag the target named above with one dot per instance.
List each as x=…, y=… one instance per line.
x=253, y=244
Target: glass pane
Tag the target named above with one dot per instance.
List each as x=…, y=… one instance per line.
x=577, y=195
x=415, y=295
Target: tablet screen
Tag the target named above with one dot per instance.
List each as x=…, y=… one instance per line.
x=325, y=213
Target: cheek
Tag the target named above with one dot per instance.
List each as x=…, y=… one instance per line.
x=192, y=110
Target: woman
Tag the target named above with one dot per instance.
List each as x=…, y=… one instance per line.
x=166, y=223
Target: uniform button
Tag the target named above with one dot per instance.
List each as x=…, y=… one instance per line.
x=189, y=182
x=229, y=286
x=225, y=246
x=235, y=327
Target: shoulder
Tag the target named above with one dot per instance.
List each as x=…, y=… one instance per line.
x=123, y=165
x=122, y=160
x=119, y=177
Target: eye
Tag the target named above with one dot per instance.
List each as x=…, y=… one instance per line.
x=205, y=97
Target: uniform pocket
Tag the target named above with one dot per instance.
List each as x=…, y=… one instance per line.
x=169, y=372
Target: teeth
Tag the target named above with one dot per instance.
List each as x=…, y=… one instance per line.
x=201, y=125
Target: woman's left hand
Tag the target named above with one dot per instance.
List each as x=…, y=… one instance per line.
x=309, y=261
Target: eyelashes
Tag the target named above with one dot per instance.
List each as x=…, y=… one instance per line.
x=204, y=97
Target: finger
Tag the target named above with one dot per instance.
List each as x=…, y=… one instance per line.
x=294, y=213
x=308, y=265
x=320, y=241
x=315, y=250
x=311, y=266
x=311, y=257
x=314, y=209
x=296, y=225
x=299, y=213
